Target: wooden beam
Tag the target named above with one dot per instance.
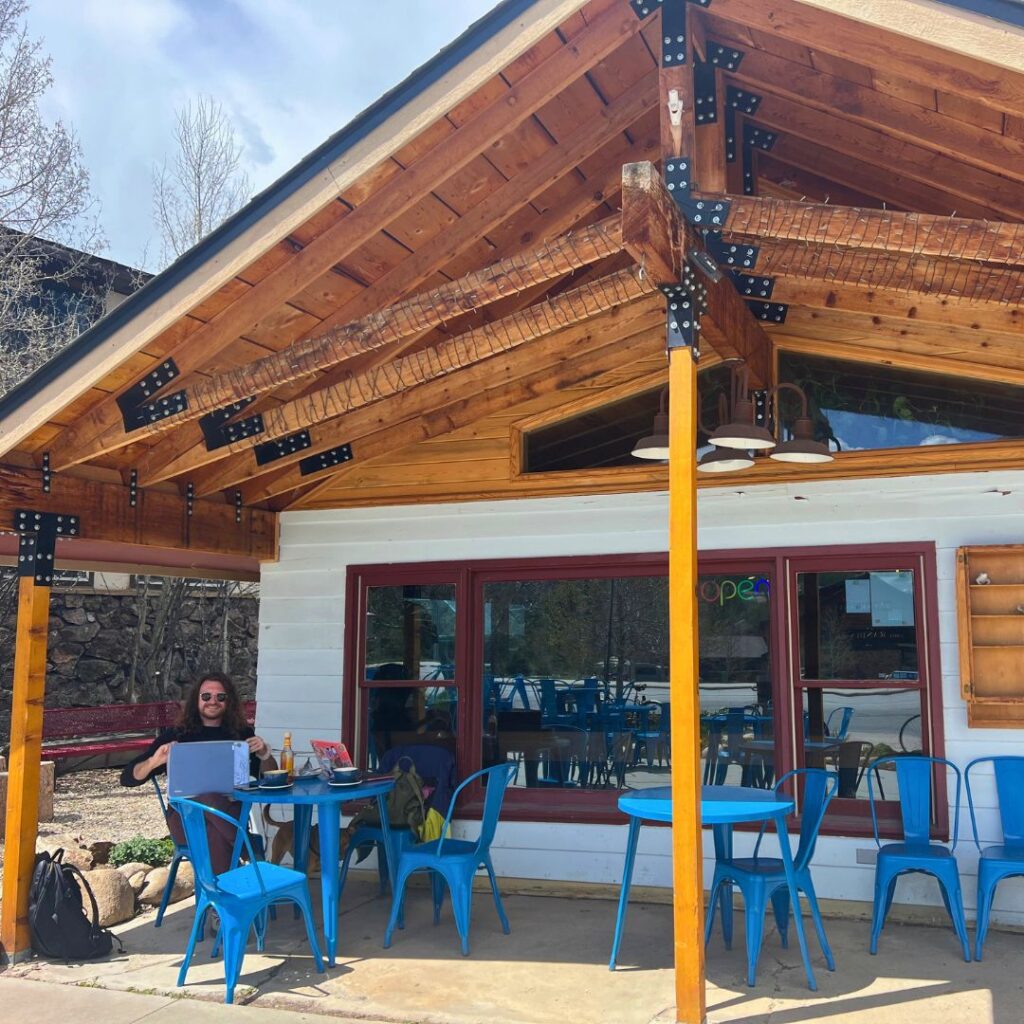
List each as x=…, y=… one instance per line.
x=159, y=519
x=684, y=646
x=869, y=299
x=914, y=234
x=417, y=368
x=956, y=281
x=937, y=68
x=943, y=172
x=22, y=822
x=547, y=373
x=402, y=320
x=891, y=186
x=600, y=188
x=653, y=233
x=971, y=143
x=608, y=31
x=627, y=330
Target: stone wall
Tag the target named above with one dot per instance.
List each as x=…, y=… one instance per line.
x=98, y=654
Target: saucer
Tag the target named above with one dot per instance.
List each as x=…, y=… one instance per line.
x=268, y=789
x=354, y=782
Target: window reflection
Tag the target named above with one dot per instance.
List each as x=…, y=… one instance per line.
x=857, y=625
x=401, y=716
x=410, y=632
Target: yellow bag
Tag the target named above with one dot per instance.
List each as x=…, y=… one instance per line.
x=431, y=827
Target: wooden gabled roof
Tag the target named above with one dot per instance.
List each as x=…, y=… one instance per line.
x=451, y=264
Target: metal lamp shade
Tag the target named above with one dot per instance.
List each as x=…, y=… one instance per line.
x=725, y=460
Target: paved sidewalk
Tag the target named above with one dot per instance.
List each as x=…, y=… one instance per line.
x=552, y=969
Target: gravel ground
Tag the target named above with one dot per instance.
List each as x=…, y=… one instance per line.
x=93, y=805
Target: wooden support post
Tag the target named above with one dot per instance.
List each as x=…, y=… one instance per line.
x=23, y=789
x=687, y=842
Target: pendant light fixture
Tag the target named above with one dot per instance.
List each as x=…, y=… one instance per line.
x=742, y=431
x=654, y=447
x=801, y=447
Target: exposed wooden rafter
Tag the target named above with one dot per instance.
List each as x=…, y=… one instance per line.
x=438, y=164
x=912, y=234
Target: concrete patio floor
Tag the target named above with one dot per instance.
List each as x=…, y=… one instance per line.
x=552, y=968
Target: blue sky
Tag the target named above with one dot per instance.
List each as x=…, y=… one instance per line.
x=289, y=73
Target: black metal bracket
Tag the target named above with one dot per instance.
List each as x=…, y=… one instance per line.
x=133, y=488
x=238, y=506
x=712, y=213
x=705, y=92
x=213, y=424
x=754, y=137
x=137, y=405
x=772, y=312
x=685, y=303
x=673, y=34
x=190, y=498
x=727, y=57
x=644, y=8
x=751, y=286
x=46, y=473
x=737, y=100
x=219, y=435
x=325, y=460
x=728, y=254
x=762, y=408
x=37, y=542
x=271, y=451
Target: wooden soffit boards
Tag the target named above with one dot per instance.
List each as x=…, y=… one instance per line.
x=271, y=217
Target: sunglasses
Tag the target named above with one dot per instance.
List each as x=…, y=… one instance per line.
x=220, y=698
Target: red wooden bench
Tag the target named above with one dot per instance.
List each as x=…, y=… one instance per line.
x=113, y=729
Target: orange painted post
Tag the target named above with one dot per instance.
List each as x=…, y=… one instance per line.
x=687, y=845
x=23, y=780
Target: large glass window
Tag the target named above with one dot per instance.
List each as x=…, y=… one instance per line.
x=806, y=659
x=864, y=406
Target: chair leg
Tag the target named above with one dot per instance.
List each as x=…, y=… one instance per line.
x=754, y=916
x=986, y=892
x=885, y=889
x=461, y=888
x=819, y=926
x=382, y=868
x=709, y=923
x=725, y=905
x=955, y=902
x=172, y=874
x=235, y=933
x=396, y=904
x=505, y=927
x=307, y=917
x=780, y=907
x=198, y=925
x=437, y=886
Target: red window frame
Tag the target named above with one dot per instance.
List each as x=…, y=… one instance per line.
x=780, y=565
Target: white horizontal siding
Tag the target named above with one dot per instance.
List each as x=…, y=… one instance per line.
x=302, y=625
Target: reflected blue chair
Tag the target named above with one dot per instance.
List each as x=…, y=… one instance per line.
x=550, y=705
x=841, y=730
x=761, y=879
x=1003, y=860
x=734, y=726
x=654, y=741
x=456, y=861
x=241, y=896
x=917, y=852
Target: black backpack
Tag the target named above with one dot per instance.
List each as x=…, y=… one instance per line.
x=60, y=928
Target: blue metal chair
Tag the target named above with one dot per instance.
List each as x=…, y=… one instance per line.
x=917, y=853
x=180, y=854
x=763, y=878
x=654, y=740
x=1004, y=860
x=456, y=861
x=241, y=896
x=735, y=724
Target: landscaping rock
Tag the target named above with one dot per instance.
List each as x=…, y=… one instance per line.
x=156, y=881
x=114, y=896
x=100, y=851
x=74, y=852
x=134, y=867
x=138, y=881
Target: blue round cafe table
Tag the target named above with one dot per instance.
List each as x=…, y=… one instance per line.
x=721, y=807
x=305, y=794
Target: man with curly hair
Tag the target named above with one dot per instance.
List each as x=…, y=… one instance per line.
x=211, y=711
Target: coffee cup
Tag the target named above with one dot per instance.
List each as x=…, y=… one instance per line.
x=275, y=777
x=346, y=774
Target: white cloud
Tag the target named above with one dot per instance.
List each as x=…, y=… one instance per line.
x=290, y=72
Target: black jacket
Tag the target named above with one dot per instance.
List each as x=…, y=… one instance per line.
x=201, y=735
